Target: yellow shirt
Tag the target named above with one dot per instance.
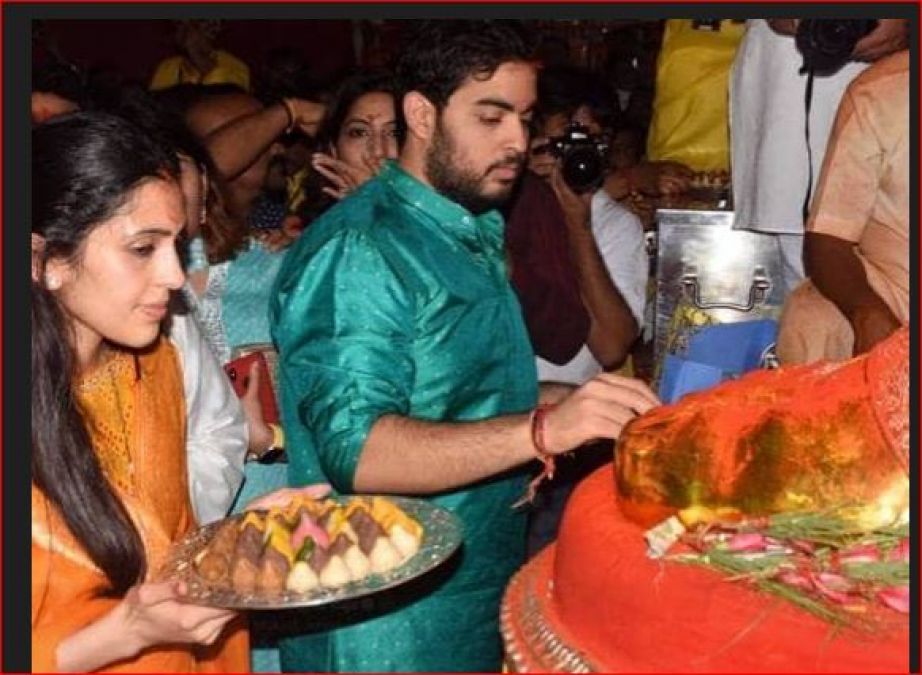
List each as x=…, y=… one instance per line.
x=175, y=70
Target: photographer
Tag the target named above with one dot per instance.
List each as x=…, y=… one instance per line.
x=777, y=147
x=605, y=246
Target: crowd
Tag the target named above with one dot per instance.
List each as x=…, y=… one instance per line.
x=449, y=309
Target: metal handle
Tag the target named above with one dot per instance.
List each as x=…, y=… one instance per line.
x=758, y=291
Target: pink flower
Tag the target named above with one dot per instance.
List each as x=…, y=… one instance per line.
x=795, y=580
x=900, y=552
x=861, y=553
x=833, y=586
x=896, y=598
x=746, y=542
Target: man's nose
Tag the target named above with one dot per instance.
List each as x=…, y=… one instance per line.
x=518, y=136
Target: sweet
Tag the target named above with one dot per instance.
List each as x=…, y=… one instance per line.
x=309, y=544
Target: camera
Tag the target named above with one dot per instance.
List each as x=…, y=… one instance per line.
x=583, y=157
x=827, y=44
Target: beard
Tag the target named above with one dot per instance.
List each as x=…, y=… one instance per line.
x=463, y=185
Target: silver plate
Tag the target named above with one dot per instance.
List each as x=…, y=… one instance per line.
x=441, y=537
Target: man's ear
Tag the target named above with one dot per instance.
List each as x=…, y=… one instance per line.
x=421, y=116
x=38, y=249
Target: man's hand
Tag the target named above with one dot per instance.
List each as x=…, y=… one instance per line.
x=871, y=324
x=658, y=178
x=577, y=208
x=540, y=159
x=598, y=409
x=891, y=35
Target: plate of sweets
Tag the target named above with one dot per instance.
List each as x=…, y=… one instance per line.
x=313, y=552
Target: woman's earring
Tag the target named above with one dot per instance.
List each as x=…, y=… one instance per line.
x=52, y=282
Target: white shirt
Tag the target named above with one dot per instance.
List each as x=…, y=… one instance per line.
x=619, y=236
x=216, y=430
x=767, y=117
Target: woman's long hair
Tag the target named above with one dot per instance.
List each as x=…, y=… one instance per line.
x=84, y=168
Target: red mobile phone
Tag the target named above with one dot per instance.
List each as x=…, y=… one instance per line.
x=238, y=371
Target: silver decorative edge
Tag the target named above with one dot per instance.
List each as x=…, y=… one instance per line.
x=544, y=645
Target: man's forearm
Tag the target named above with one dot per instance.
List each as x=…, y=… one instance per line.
x=407, y=456
x=613, y=327
x=236, y=145
x=838, y=274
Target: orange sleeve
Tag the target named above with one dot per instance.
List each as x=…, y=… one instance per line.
x=62, y=604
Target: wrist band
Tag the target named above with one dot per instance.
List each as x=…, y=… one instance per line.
x=537, y=422
x=538, y=416
x=292, y=115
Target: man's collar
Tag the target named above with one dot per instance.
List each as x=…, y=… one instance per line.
x=485, y=230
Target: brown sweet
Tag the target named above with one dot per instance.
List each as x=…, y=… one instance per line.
x=244, y=574
x=341, y=543
x=214, y=566
x=273, y=571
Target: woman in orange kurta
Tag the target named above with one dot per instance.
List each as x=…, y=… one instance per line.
x=109, y=491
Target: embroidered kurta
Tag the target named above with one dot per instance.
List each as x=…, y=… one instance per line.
x=397, y=301
x=136, y=424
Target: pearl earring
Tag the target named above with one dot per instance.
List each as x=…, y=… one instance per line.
x=52, y=282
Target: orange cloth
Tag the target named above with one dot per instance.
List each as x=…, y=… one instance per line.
x=831, y=431
x=137, y=425
x=801, y=437
x=862, y=197
x=596, y=592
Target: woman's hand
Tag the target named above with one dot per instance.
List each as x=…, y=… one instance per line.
x=274, y=240
x=155, y=614
x=285, y=496
x=150, y=615
x=345, y=178
x=260, y=433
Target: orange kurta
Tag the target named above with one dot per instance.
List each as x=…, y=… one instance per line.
x=135, y=414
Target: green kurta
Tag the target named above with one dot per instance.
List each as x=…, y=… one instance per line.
x=396, y=301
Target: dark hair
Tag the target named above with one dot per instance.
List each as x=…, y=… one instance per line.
x=63, y=79
x=563, y=89
x=162, y=114
x=441, y=55
x=349, y=91
x=85, y=167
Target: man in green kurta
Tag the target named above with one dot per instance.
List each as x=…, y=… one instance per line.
x=405, y=366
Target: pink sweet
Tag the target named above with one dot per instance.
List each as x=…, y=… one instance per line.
x=308, y=528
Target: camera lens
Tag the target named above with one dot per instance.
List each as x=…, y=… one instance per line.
x=582, y=168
